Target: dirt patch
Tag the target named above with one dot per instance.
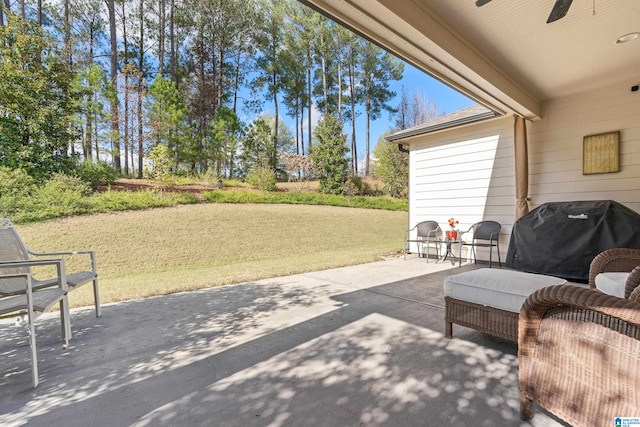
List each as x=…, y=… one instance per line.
x=137, y=185
x=392, y=255
x=197, y=189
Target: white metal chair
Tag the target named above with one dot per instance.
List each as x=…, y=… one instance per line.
x=13, y=249
x=35, y=302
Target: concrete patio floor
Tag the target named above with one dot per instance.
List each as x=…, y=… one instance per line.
x=354, y=346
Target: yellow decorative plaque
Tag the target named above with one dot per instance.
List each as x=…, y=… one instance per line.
x=601, y=153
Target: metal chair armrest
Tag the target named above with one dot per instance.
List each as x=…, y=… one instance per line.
x=57, y=262
x=91, y=253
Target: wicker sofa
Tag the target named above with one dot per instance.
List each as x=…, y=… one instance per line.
x=579, y=349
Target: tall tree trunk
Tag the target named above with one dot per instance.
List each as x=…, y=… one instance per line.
x=275, y=126
x=88, y=156
x=172, y=41
x=132, y=150
x=67, y=53
x=67, y=34
x=1, y=13
x=126, y=121
x=140, y=140
x=95, y=130
x=296, y=126
x=236, y=82
x=161, y=23
x=141, y=85
x=201, y=102
x=352, y=93
x=127, y=87
x=339, y=88
x=90, y=113
x=368, y=114
x=39, y=13
x=23, y=10
x=301, y=125
x=309, y=83
x=220, y=82
x=324, y=84
x=115, y=138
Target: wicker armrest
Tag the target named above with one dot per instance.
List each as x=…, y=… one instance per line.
x=632, y=281
x=538, y=303
x=618, y=259
x=576, y=348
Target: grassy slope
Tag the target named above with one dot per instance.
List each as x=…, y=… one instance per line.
x=157, y=251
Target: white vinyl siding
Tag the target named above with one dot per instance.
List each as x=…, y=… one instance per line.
x=556, y=143
x=468, y=172
x=465, y=173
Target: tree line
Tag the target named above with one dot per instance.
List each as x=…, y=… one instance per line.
x=111, y=79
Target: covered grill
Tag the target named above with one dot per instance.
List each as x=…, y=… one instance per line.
x=562, y=238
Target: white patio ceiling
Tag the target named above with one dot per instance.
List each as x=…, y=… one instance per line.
x=504, y=54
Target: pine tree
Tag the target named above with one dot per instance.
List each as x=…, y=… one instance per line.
x=329, y=154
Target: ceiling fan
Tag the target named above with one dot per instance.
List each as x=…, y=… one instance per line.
x=560, y=9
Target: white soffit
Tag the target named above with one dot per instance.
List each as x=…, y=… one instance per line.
x=504, y=54
x=417, y=36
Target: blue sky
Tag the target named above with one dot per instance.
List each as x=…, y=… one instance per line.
x=446, y=100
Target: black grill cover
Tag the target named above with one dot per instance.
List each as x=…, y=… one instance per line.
x=561, y=239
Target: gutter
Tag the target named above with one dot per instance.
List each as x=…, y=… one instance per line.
x=442, y=126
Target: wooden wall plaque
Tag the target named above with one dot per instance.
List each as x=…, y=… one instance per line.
x=601, y=153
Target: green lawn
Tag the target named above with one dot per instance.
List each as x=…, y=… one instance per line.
x=187, y=247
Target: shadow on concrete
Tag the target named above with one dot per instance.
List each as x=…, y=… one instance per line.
x=305, y=353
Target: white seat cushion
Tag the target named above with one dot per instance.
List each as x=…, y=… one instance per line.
x=612, y=283
x=503, y=289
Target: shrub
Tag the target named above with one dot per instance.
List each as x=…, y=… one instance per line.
x=15, y=182
x=66, y=184
x=161, y=162
x=96, y=174
x=350, y=188
x=16, y=191
x=392, y=167
x=263, y=178
x=209, y=177
x=63, y=195
x=136, y=200
x=295, y=198
x=233, y=183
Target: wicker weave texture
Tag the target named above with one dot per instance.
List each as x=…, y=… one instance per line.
x=618, y=259
x=490, y=320
x=579, y=352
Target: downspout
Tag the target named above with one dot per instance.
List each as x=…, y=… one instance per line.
x=406, y=150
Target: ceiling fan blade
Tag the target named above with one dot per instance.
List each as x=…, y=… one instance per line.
x=482, y=2
x=559, y=10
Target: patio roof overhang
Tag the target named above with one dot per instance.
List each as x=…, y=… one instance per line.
x=412, y=33
x=503, y=55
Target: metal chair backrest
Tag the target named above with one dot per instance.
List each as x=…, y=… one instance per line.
x=11, y=247
x=486, y=230
x=429, y=229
